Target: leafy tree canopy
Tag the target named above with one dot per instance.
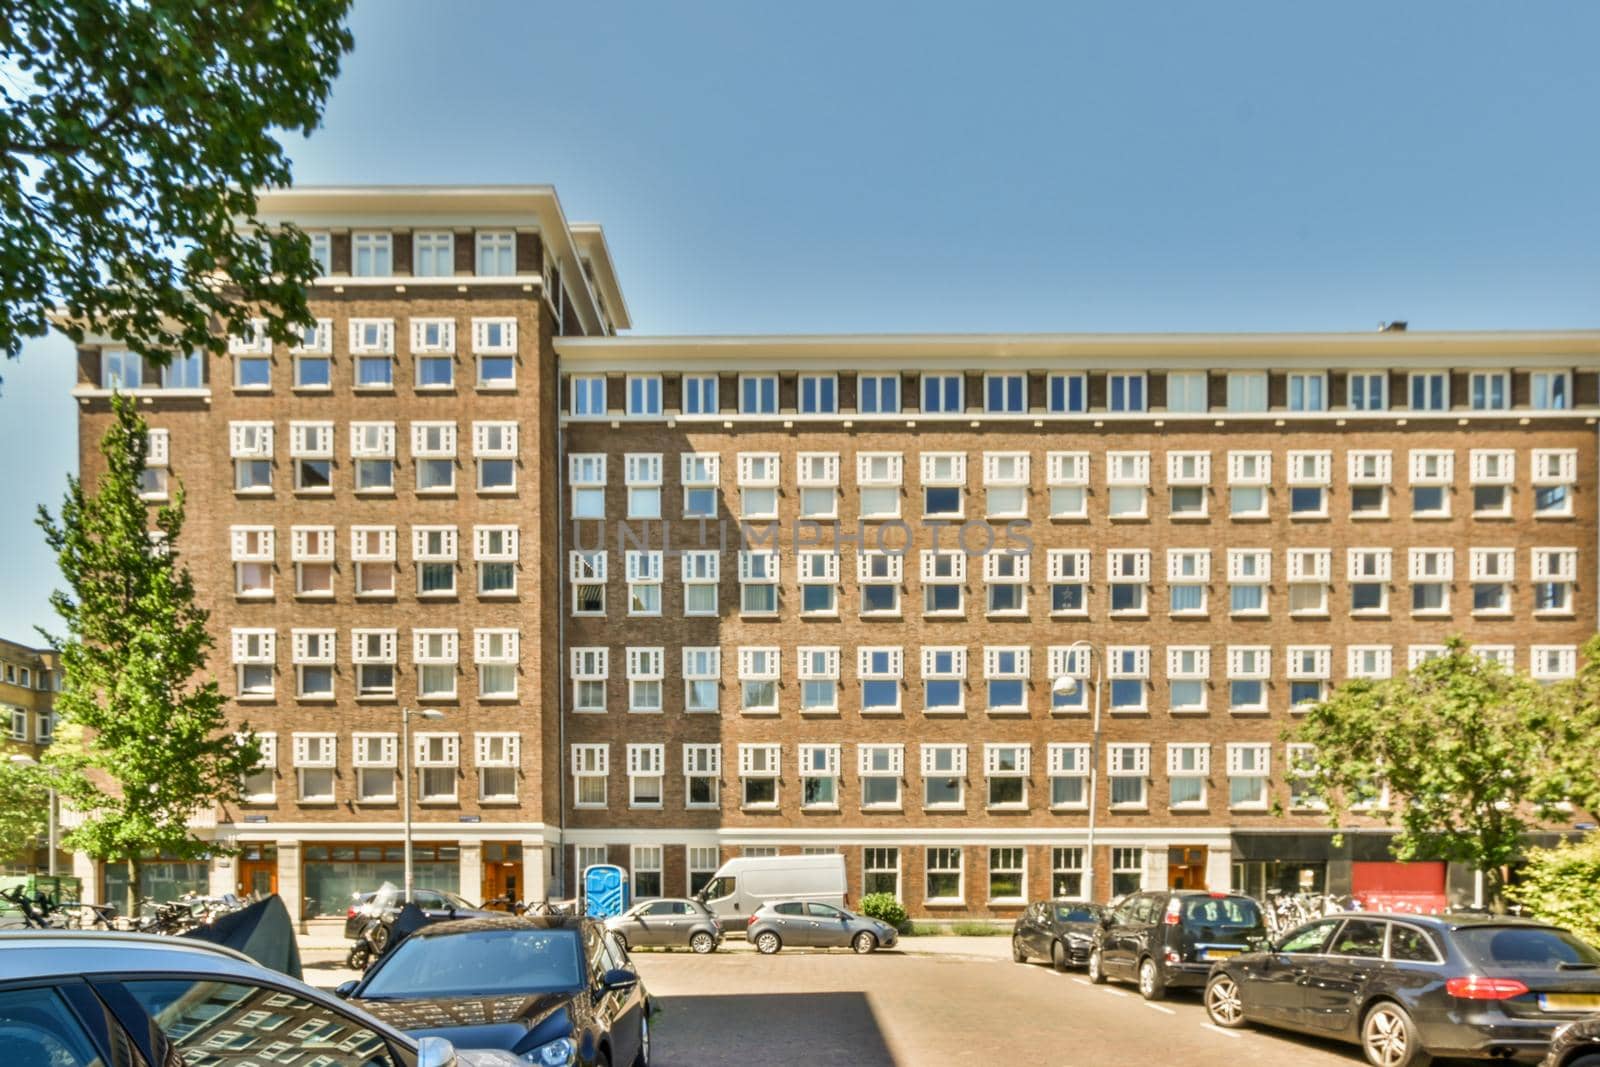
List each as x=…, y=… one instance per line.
x=23, y=805
x=1562, y=885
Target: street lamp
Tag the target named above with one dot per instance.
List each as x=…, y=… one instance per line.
x=405, y=778
x=1068, y=684
x=22, y=760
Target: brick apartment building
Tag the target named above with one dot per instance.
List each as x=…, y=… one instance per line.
x=680, y=599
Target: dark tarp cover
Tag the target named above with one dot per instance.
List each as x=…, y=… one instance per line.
x=261, y=931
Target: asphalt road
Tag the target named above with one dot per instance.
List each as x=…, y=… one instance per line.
x=738, y=1008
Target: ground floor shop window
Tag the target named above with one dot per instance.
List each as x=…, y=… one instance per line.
x=1256, y=877
x=1127, y=870
x=334, y=874
x=158, y=879
x=1066, y=872
x=880, y=871
x=944, y=876
x=1007, y=875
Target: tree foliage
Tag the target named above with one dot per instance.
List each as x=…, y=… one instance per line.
x=154, y=748
x=1473, y=756
x=1561, y=885
x=134, y=136
x=23, y=805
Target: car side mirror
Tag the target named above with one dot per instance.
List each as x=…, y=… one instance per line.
x=616, y=980
x=435, y=1052
x=344, y=989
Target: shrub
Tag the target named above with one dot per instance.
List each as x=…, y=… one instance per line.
x=885, y=908
x=1561, y=885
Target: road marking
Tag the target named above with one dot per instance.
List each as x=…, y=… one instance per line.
x=1220, y=1030
x=1083, y=981
x=1157, y=1007
x=1116, y=992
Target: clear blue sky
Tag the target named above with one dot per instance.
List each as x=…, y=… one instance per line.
x=950, y=167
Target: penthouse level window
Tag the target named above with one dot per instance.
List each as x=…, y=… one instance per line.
x=699, y=394
x=941, y=393
x=819, y=394
x=1068, y=394
x=1005, y=393
x=1125, y=392
x=758, y=394
x=1368, y=391
x=878, y=394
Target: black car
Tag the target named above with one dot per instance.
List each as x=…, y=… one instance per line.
x=1061, y=931
x=1167, y=939
x=1575, y=1045
x=1408, y=988
x=550, y=990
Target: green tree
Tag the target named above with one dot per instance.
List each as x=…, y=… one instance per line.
x=134, y=137
x=1561, y=885
x=155, y=747
x=23, y=798
x=1473, y=757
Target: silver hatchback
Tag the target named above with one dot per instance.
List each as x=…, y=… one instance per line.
x=783, y=924
x=667, y=922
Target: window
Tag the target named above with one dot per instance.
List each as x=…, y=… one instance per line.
x=187, y=370
x=494, y=342
x=643, y=573
x=758, y=679
x=1248, y=765
x=1308, y=392
x=1489, y=390
x=311, y=449
x=1300, y=763
x=495, y=653
x=944, y=476
x=1249, y=475
x=322, y=252
x=1005, y=477
x=1249, y=571
x=494, y=445
x=701, y=571
x=699, y=394
x=758, y=485
x=880, y=871
x=942, y=393
x=944, y=769
x=1431, y=572
x=252, y=560
x=1308, y=671
x=702, y=677
x=880, y=768
x=372, y=345
x=1188, y=576
x=1127, y=870
x=315, y=757
x=1491, y=571
x=1432, y=471
x=1554, y=572
x=435, y=653
x=497, y=761
x=1069, y=776
x=313, y=359
x=643, y=394
x=313, y=663
x=1369, y=391
x=1247, y=391
x=1006, y=672
x=591, y=765
x=1188, y=481
x=1504, y=655
x=1551, y=389
x=250, y=447
x=645, y=776
x=120, y=369
x=819, y=484
x=819, y=582
x=1552, y=663
x=1310, y=475
x=943, y=868
x=1492, y=471
x=819, y=777
x=1069, y=661
x=758, y=582
x=943, y=578
x=1068, y=479
x=646, y=668
x=433, y=254
x=702, y=775
x=758, y=775
x=1125, y=392
x=1067, y=394
x=586, y=571
x=1554, y=474
x=587, y=473
x=1369, y=661
x=1417, y=655
x=1069, y=581
x=433, y=451
x=371, y=255
x=1309, y=574
x=588, y=395
x=758, y=394
x=1066, y=873
x=253, y=658
x=1006, y=769
x=495, y=552
x=1128, y=767
x=1249, y=667
x=879, y=475
x=372, y=449
x=1007, y=875
x=944, y=673
x=880, y=671
x=1128, y=482
x=703, y=861
x=1188, y=671
x=1370, y=571
x=372, y=550
x=157, y=457
x=373, y=653
x=433, y=549
x=497, y=253
x=1187, y=391
x=375, y=759
x=819, y=394
x=1005, y=394
x=699, y=473
x=252, y=358
x=878, y=394
x=1187, y=769
x=646, y=865
x=1370, y=476
x=260, y=785
x=1005, y=574
x=1128, y=668
x=819, y=680
x=878, y=575
x=1128, y=575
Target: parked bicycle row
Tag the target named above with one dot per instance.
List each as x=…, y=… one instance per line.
x=38, y=911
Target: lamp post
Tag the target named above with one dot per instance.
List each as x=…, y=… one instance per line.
x=28, y=761
x=1069, y=684
x=405, y=782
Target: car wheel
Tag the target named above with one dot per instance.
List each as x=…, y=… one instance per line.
x=1058, y=955
x=1097, y=970
x=768, y=943
x=864, y=943
x=703, y=943
x=380, y=937
x=1018, y=953
x=643, y=1058
x=1390, y=1039
x=1152, y=984
x=1223, y=1002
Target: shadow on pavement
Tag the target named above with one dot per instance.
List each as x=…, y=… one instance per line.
x=772, y=1029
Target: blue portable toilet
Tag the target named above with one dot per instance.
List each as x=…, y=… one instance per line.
x=605, y=890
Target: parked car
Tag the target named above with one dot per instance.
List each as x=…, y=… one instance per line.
x=667, y=922
x=744, y=883
x=810, y=924
x=68, y=997
x=436, y=903
x=1061, y=931
x=1170, y=938
x=1575, y=1045
x=1407, y=988
x=550, y=990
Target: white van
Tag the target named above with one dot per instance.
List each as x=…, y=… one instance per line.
x=742, y=885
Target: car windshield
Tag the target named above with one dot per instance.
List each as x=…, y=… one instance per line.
x=1221, y=911
x=479, y=963
x=1068, y=914
x=1524, y=946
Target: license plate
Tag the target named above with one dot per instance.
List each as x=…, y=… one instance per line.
x=1221, y=953
x=1569, y=1001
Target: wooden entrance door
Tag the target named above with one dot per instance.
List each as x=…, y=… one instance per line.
x=502, y=872
x=1186, y=867
x=258, y=877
